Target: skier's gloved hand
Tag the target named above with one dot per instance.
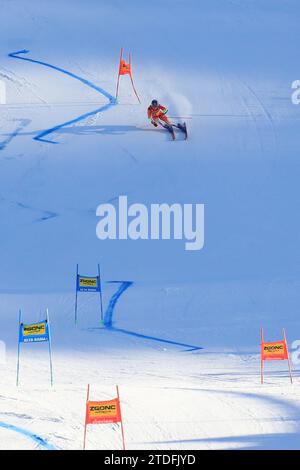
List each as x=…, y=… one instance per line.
x=154, y=123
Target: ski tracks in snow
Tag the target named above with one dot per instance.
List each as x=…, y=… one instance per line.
x=230, y=419
x=255, y=107
x=21, y=123
x=20, y=82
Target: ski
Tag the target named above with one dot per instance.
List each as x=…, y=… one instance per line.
x=170, y=129
x=183, y=128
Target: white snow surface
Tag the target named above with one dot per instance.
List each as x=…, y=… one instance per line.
x=184, y=341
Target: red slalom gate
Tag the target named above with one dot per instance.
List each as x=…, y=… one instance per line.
x=274, y=351
x=103, y=412
x=125, y=68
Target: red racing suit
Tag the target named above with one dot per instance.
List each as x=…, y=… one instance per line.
x=154, y=114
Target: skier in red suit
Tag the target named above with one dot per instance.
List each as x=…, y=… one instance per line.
x=157, y=112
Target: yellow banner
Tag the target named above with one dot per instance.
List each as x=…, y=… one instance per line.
x=101, y=411
x=88, y=282
x=102, y=408
x=35, y=329
x=274, y=350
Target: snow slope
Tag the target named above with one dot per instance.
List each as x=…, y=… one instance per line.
x=183, y=342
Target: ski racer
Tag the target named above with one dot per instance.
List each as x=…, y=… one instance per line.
x=156, y=113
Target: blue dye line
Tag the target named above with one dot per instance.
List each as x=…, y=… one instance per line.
x=160, y=340
x=109, y=316
x=112, y=303
x=40, y=137
x=112, y=99
x=16, y=55
x=34, y=437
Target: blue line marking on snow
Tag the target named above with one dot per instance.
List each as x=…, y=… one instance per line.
x=112, y=303
x=34, y=437
x=160, y=340
x=112, y=99
x=109, y=316
x=16, y=55
x=40, y=137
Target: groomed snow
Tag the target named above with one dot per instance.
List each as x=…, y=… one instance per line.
x=184, y=341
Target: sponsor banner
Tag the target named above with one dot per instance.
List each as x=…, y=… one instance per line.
x=88, y=284
x=103, y=412
x=34, y=332
x=276, y=350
